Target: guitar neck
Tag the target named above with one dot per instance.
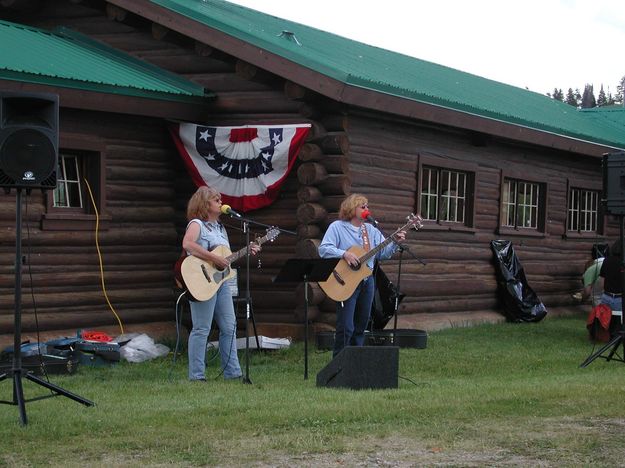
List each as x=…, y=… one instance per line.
x=377, y=248
x=242, y=252
x=386, y=241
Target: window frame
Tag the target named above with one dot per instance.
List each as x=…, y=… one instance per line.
x=541, y=223
x=80, y=219
x=443, y=164
x=594, y=186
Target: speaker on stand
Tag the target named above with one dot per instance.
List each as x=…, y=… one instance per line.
x=28, y=159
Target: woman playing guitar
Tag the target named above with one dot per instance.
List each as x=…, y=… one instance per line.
x=204, y=234
x=346, y=238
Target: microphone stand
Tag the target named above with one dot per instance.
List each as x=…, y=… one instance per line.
x=402, y=249
x=245, y=222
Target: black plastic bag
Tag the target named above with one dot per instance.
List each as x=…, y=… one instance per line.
x=386, y=293
x=521, y=304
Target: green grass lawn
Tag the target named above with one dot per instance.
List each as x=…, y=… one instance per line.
x=506, y=394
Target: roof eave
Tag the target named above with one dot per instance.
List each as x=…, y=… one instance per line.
x=353, y=95
x=102, y=101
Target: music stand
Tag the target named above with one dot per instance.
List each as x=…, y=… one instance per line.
x=296, y=270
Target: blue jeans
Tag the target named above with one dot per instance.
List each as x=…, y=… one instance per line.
x=352, y=316
x=614, y=303
x=221, y=307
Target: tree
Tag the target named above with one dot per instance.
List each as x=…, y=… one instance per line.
x=588, y=98
x=602, y=100
x=558, y=95
x=571, y=98
x=619, y=91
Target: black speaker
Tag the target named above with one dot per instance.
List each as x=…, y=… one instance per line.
x=29, y=137
x=360, y=367
x=614, y=182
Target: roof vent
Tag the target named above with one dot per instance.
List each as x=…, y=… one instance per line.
x=290, y=36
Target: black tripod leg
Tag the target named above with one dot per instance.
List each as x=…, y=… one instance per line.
x=613, y=343
x=254, y=324
x=59, y=390
x=18, y=396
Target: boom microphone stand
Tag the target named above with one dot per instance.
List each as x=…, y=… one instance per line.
x=620, y=335
x=16, y=371
x=248, y=297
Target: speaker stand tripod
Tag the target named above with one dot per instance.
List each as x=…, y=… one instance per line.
x=619, y=338
x=16, y=372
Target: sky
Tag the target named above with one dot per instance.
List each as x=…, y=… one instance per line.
x=535, y=44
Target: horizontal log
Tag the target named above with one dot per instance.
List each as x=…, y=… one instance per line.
x=311, y=173
x=295, y=91
x=459, y=304
x=307, y=193
x=90, y=318
x=308, y=231
x=135, y=192
x=332, y=203
x=335, y=122
x=335, y=185
x=333, y=143
x=335, y=163
x=365, y=177
x=147, y=214
x=375, y=158
x=253, y=102
x=138, y=174
x=247, y=71
x=309, y=213
x=310, y=152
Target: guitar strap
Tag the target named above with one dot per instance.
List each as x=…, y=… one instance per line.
x=365, y=237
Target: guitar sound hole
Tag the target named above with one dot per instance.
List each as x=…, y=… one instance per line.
x=355, y=267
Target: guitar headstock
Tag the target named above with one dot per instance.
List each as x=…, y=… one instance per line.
x=272, y=233
x=414, y=221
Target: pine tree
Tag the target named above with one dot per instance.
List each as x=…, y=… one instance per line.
x=571, y=100
x=558, y=95
x=602, y=100
x=588, y=98
x=619, y=91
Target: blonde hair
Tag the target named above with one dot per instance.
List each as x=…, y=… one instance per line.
x=198, y=203
x=349, y=205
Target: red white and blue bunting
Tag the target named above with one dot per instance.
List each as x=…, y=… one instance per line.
x=247, y=164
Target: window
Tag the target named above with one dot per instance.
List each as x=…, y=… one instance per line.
x=69, y=205
x=583, y=211
x=521, y=202
x=446, y=193
x=68, y=192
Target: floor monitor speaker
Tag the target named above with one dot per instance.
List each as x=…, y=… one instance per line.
x=361, y=367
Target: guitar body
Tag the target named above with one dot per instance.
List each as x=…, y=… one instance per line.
x=344, y=280
x=201, y=278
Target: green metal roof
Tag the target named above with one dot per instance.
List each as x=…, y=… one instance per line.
x=68, y=59
x=376, y=69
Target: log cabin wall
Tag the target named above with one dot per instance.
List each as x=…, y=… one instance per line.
x=246, y=95
x=348, y=150
x=380, y=157
x=61, y=278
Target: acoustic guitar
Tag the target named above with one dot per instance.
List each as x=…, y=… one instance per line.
x=202, y=279
x=345, y=278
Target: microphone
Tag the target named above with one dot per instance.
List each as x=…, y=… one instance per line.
x=225, y=209
x=366, y=215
